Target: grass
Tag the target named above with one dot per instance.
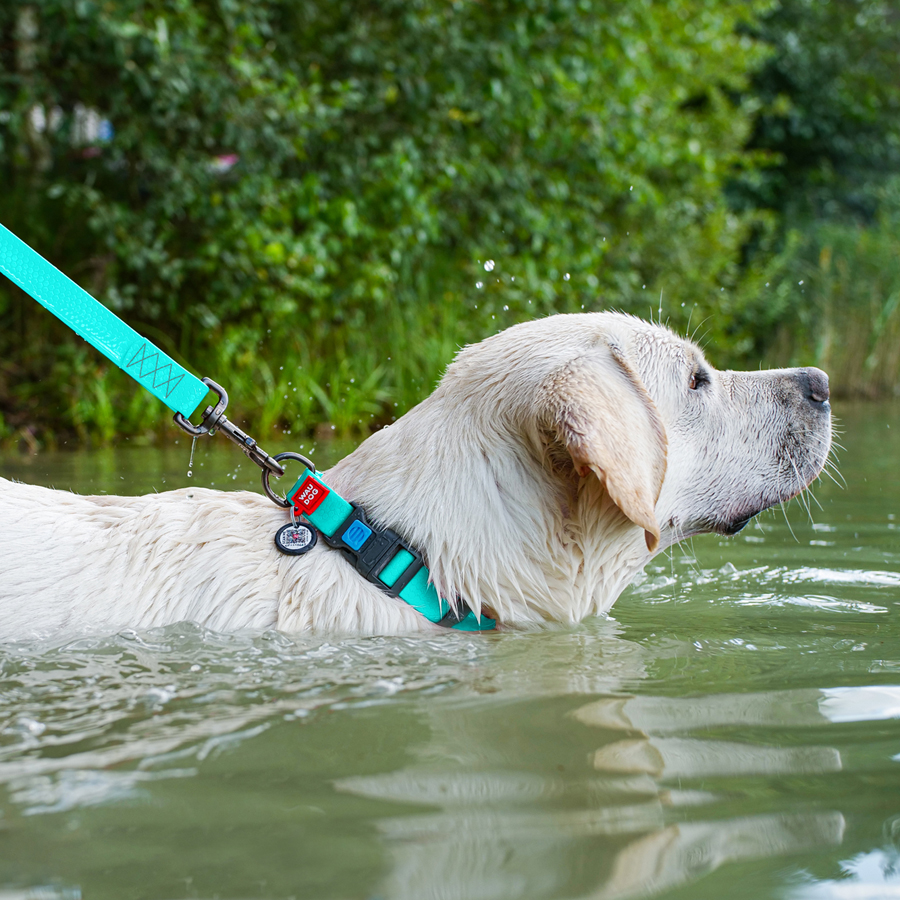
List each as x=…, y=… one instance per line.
x=830, y=299
x=840, y=285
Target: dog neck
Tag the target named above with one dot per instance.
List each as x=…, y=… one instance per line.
x=497, y=526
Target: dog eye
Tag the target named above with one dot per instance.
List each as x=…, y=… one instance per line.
x=698, y=379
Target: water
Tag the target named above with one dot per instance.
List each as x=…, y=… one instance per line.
x=733, y=732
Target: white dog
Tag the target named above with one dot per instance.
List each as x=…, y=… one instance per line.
x=551, y=463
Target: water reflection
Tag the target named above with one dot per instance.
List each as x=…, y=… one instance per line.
x=683, y=853
x=658, y=814
x=668, y=758
x=486, y=770
x=771, y=709
x=874, y=875
x=628, y=849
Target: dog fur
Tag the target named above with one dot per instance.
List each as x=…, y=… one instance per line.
x=551, y=463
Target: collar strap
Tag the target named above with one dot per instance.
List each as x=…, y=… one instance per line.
x=380, y=555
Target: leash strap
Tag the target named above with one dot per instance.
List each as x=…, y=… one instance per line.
x=379, y=554
x=122, y=345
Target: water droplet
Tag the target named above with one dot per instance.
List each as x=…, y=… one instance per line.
x=190, y=472
x=566, y=277
x=489, y=266
x=479, y=285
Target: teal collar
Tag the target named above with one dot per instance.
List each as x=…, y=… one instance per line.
x=379, y=554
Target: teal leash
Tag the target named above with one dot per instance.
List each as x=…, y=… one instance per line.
x=380, y=555
x=120, y=344
x=100, y=327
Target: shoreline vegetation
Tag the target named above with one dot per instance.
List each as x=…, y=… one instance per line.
x=317, y=204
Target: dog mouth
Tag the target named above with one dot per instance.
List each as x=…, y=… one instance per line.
x=730, y=529
x=803, y=472
x=725, y=527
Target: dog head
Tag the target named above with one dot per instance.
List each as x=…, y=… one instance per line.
x=557, y=456
x=680, y=447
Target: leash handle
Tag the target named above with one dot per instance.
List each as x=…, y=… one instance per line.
x=103, y=329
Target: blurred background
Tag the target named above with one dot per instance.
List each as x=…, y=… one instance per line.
x=317, y=203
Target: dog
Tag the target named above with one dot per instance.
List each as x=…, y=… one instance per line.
x=551, y=463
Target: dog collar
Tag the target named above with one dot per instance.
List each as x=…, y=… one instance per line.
x=380, y=555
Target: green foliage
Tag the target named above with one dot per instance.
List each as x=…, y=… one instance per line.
x=836, y=288
x=830, y=107
x=411, y=176
x=820, y=285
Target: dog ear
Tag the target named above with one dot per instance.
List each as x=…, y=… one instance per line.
x=602, y=413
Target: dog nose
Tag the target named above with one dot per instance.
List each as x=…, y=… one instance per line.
x=816, y=385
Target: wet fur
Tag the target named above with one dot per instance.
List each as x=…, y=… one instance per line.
x=548, y=467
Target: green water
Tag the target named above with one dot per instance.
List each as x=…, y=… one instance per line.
x=734, y=731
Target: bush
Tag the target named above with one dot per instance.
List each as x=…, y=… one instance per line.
x=410, y=176
x=830, y=108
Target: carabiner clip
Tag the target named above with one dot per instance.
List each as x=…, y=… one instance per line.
x=214, y=420
x=283, y=502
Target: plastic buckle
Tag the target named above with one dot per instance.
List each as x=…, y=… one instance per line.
x=371, y=549
x=453, y=617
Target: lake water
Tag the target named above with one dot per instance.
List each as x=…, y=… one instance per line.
x=733, y=731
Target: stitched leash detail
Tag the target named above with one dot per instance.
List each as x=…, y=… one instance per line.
x=122, y=345
x=118, y=342
x=380, y=555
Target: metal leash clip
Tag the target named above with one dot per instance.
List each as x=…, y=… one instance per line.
x=275, y=498
x=214, y=420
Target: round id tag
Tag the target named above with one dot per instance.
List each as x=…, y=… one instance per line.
x=295, y=539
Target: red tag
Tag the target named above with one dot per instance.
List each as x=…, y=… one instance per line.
x=310, y=495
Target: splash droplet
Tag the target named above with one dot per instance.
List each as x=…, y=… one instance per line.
x=190, y=471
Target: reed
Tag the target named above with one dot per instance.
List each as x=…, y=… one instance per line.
x=839, y=285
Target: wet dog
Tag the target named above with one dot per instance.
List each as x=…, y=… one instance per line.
x=551, y=463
